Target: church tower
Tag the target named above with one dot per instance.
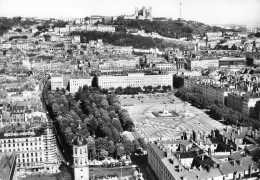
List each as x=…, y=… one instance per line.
x=80, y=157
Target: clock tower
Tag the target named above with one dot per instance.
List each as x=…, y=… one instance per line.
x=80, y=157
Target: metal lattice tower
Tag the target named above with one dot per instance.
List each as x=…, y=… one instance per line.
x=180, y=10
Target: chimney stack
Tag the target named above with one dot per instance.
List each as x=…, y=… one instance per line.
x=250, y=170
x=232, y=162
x=240, y=162
x=209, y=151
x=231, y=151
x=202, y=157
x=178, y=157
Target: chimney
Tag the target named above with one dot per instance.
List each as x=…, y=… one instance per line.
x=179, y=168
x=178, y=157
x=232, y=162
x=172, y=160
x=202, y=157
x=168, y=153
x=255, y=134
x=250, y=170
x=231, y=151
x=240, y=162
x=219, y=166
x=209, y=151
x=238, y=132
x=236, y=147
x=212, y=134
x=226, y=140
x=184, y=178
x=235, y=175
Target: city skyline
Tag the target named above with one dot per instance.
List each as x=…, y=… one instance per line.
x=206, y=11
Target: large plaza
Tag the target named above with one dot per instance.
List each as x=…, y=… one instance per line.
x=151, y=127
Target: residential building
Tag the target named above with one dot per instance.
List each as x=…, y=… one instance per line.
x=165, y=66
x=209, y=88
x=75, y=83
x=135, y=80
x=35, y=149
x=180, y=63
x=198, y=64
x=57, y=82
x=230, y=153
x=242, y=102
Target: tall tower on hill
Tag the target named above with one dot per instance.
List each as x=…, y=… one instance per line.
x=180, y=10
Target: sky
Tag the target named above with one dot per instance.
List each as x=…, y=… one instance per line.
x=206, y=11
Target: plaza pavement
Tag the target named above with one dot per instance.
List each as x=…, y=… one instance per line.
x=152, y=128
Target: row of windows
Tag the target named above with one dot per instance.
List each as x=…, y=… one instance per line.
x=22, y=144
x=26, y=160
x=80, y=150
x=22, y=155
x=20, y=149
x=21, y=140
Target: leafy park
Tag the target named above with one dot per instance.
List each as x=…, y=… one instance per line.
x=100, y=116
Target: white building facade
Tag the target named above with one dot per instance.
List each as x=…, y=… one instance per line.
x=76, y=83
x=135, y=80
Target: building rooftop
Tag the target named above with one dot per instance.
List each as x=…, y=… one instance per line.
x=80, y=141
x=7, y=165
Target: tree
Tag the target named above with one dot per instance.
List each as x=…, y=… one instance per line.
x=136, y=144
x=119, y=90
x=55, y=108
x=107, y=131
x=129, y=125
x=112, y=115
x=95, y=81
x=129, y=148
x=120, y=150
x=65, y=172
x=115, y=135
x=110, y=147
x=142, y=143
x=116, y=124
x=104, y=104
x=103, y=154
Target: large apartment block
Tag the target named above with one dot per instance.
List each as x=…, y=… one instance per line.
x=35, y=149
x=75, y=83
x=135, y=80
x=208, y=88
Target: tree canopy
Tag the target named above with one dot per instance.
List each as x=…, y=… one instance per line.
x=99, y=115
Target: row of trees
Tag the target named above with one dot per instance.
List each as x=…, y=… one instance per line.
x=7, y=23
x=216, y=110
x=123, y=39
x=119, y=39
x=100, y=116
x=137, y=90
x=17, y=37
x=170, y=28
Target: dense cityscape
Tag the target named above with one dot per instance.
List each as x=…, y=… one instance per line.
x=128, y=97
